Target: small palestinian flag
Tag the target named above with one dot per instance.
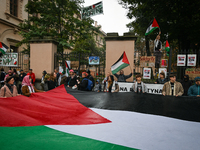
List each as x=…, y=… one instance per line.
x=153, y=25
x=3, y=48
x=167, y=48
x=121, y=63
x=67, y=68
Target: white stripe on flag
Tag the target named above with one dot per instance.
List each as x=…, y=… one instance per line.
x=142, y=131
x=117, y=65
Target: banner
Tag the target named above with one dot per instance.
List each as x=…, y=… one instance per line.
x=94, y=60
x=181, y=60
x=151, y=88
x=9, y=59
x=191, y=60
x=147, y=61
x=92, y=10
x=147, y=73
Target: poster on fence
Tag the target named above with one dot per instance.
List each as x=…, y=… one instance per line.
x=181, y=59
x=147, y=73
x=164, y=63
x=192, y=73
x=94, y=60
x=163, y=70
x=147, y=61
x=191, y=60
x=9, y=59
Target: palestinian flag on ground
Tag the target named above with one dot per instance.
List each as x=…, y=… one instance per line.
x=3, y=48
x=67, y=67
x=121, y=63
x=153, y=25
x=56, y=120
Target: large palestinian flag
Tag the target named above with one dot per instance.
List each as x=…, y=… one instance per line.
x=57, y=120
x=121, y=63
x=153, y=25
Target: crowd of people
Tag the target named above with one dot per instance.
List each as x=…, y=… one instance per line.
x=16, y=83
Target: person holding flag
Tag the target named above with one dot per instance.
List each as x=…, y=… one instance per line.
x=121, y=63
x=157, y=50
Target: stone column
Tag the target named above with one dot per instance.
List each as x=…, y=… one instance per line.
x=115, y=46
x=42, y=55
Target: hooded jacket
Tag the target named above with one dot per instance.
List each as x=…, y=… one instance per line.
x=195, y=89
x=186, y=85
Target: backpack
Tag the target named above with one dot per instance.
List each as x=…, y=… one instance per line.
x=90, y=84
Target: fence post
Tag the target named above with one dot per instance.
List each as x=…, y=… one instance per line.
x=170, y=60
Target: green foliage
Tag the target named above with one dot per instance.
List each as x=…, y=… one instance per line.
x=180, y=19
x=55, y=18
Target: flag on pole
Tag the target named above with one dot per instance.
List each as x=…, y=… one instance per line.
x=67, y=64
x=3, y=48
x=167, y=48
x=121, y=63
x=153, y=25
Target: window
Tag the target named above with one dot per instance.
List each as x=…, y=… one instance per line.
x=14, y=49
x=13, y=7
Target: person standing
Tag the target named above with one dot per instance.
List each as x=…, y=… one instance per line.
x=16, y=77
x=194, y=90
x=42, y=84
x=173, y=87
x=30, y=73
x=112, y=86
x=51, y=81
x=157, y=50
x=3, y=74
x=21, y=77
x=10, y=73
x=186, y=83
x=139, y=87
x=9, y=89
x=71, y=80
x=162, y=79
x=97, y=87
x=121, y=77
x=90, y=77
x=58, y=78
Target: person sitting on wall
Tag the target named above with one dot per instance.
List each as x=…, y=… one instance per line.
x=162, y=79
x=9, y=89
x=139, y=86
x=121, y=77
x=28, y=87
x=194, y=90
x=111, y=85
x=173, y=87
x=86, y=84
x=157, y=50
x=186, y=83
x=71, y=80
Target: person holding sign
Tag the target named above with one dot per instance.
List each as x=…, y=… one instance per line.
x=173, y=87
x=139, y=86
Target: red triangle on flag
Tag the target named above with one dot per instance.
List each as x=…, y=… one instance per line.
x=93, y=6
x=125, y=59
x=167, y=43
x=1, y=45
x=155, y=24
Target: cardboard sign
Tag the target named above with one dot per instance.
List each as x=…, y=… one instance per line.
x=147, y=61
x=192, y=73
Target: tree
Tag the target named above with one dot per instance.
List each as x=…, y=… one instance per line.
x=179, y=19
x=58, y=19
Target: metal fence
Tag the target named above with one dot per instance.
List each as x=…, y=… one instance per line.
x=179, y=71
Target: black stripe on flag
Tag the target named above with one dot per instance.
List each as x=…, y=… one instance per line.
x=119, y=59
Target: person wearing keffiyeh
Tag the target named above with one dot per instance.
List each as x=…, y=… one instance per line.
x=28, y=87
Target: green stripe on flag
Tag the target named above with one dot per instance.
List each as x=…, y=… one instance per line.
x=44, y=138
x=151, y=31
x=120, y=68
x=2, y=51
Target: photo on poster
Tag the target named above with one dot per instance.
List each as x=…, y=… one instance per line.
x=164, y=63
x=147, y=73
x=191, y=61
x=163, y=70
x=181, y=59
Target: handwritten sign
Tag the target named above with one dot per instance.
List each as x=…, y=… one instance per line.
x=9, y=59
x=147, y=61
x=192, y=73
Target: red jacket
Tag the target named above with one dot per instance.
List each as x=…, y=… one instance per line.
x=32, y=76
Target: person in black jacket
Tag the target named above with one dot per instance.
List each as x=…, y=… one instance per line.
x=3, y=74
x=162, y=79
x=21, y=77
x=51, y=82
x=84, y=83
x=157, y=50
x=90, y=77
x=72, y=80
x=121, y=77
x=186, y=83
